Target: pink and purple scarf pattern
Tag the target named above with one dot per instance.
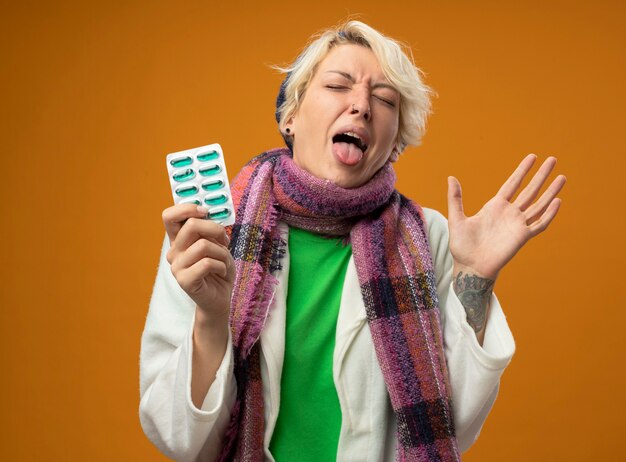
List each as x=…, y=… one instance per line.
x=395, y=270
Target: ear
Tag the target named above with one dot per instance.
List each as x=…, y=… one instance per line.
x=393, y=157
x=288, y=126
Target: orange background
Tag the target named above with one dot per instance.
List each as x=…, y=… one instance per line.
x=95, y=94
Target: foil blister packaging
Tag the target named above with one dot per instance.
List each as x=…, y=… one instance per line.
x=198, y=176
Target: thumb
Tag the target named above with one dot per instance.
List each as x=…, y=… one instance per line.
x=455, y=200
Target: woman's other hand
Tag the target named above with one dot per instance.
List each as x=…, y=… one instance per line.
x=484, y=243
x=200, y=260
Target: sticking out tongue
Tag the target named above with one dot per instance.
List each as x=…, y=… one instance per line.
x=347, y=153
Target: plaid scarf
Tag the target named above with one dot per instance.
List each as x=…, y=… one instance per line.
x=395, y=271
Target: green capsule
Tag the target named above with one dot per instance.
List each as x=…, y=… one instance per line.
x=184, y=175
x=181, y=161
x=219, y=214
x=190, y=201
x=186, y=191
x=212, y=185
x=207, y=156
x=212, y=170
x=215, y=199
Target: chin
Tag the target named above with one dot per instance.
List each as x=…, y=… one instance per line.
x=344, y=177
x=346, y=181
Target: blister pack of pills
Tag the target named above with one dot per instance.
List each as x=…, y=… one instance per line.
x=198, y=176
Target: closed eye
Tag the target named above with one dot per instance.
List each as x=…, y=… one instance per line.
x=336, y=87
x=388, y=102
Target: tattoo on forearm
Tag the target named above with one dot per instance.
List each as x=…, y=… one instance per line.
x=474, y=293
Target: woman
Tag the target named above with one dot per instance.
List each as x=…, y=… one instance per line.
x=356, y=331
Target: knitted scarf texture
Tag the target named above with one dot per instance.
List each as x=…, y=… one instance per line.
x=397, y=280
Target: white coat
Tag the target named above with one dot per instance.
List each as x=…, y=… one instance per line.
x=185, y=433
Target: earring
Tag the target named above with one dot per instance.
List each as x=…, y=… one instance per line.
x=287, y=131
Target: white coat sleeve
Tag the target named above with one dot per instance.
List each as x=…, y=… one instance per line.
x=168, y=416
x=474, y=370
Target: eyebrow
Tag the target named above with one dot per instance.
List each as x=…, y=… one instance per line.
x=351, y=79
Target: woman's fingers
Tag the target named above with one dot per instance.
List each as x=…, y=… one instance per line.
x=537, y=209
x=202, y=249
x=199, y=228
x=511, y=185
x=191, y=279
x=186, y=224
x=542, y=223
x=528, y=194
x=455, y=200
x=175, y=217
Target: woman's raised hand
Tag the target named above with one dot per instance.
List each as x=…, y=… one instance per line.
x=484, y=243
x=199, y=258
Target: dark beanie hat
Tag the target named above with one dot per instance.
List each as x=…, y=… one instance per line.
x=280, y=99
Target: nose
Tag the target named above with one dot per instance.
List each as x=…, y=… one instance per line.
x=361, y=106
x=366, y=113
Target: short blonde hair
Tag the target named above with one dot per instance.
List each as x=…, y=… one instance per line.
x=396, y=64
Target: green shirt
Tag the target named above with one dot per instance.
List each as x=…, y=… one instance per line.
x=309, y=418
